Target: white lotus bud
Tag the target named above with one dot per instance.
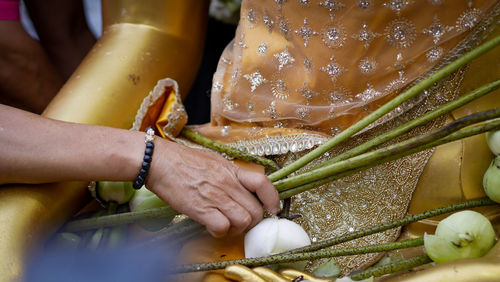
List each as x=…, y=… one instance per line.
x=465, y=234
x=493, y=139
x=272, y=236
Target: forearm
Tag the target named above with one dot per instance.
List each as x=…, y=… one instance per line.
x=63, y=32
x=201, y=184
x=34, y=149
x=28, y=80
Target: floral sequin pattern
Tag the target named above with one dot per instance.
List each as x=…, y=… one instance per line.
x=468, y=19
x=334, y=36
x=331, y=5
x=306, y=33
x=434, y=54
x=307, y=93
x=365, y=35
x=284, y=59
x=255, y=79
x=279, y=89
x=397, y=5
x=333, y=69
x=367, y=65
x=400, y=33
x=437, y=30
x=292, y=54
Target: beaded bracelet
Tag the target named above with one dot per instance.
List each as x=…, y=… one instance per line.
x=146, y=162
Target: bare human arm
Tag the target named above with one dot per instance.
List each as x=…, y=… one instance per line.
x=31, y=71
x=63, y=32
x=201, y=184
x=28, y=79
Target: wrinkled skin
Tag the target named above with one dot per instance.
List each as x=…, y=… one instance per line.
x=210, y=189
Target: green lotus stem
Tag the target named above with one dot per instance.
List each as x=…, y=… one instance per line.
x=131, y=217
x=176, y=233
x=464, y=133
x=112, y=206
x=446, y=108
x=392, y=267
x=87, y=235
x=280, y=258
x=118, y=219
x=232, y=152
x=181, y=239
x=413, y=91
x=376, y=156
x=397, y=223
x=314, y=184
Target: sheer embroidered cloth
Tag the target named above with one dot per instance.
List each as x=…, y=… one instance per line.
x=322, y=65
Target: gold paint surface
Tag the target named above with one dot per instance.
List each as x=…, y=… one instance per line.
x=28, y=214
x=431, y=191
x=453, y=174
x=483, y=269
x=120, y=71
x=205, y=248
x=455, y=171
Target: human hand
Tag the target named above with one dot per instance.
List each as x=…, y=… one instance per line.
x=210, y=189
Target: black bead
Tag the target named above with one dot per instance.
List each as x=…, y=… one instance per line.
x=140, y=179
x=150, y=145
x=143, y=172
x=137, y=185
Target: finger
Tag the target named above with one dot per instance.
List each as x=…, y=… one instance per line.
x=217, y=224
x=238, y=216
x=248, y=201
x=260, y=184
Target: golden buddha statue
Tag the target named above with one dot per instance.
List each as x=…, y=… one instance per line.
x=299, y=72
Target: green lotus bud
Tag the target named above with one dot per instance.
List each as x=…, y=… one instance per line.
x=465, y=234
x=144, y=199
x=111, y=191
x=491, y=180
x=328, y=269
x=493, y=139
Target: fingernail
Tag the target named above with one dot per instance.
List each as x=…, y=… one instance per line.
x=274, y=211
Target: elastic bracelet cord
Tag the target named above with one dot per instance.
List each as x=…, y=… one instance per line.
x=148, y=157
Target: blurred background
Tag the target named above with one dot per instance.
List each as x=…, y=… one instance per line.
x=219, y=33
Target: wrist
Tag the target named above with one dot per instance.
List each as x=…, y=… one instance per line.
x=160, y=164
x=140, y=180
x=125, y=155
